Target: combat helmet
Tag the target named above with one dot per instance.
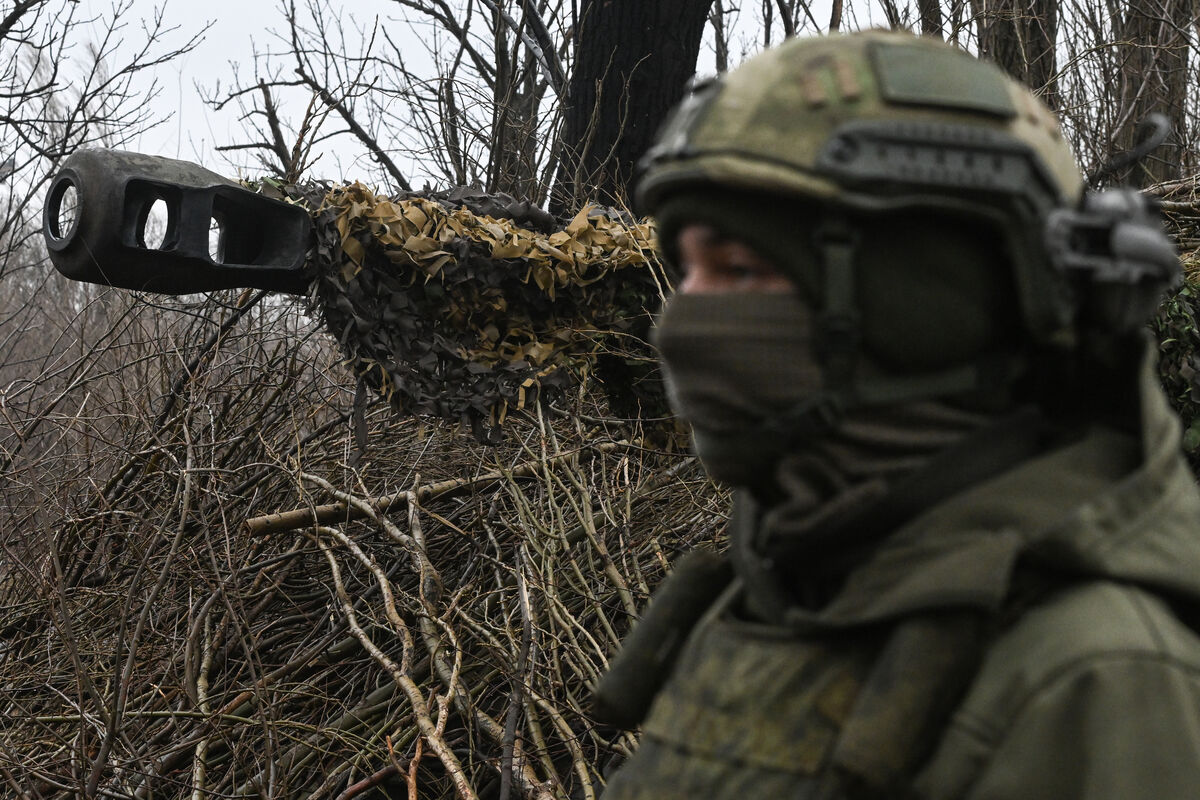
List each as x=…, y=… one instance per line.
x=880, y=122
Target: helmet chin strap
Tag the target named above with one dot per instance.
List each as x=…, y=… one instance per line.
x=837, y=338
x=837, y=346
x=837, y=341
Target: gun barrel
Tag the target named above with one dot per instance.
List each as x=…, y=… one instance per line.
x=99, y=227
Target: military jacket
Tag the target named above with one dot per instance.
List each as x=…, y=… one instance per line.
x=1089, y=690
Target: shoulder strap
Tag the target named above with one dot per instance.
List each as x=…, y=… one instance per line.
x=922, y=674
x=647, y=656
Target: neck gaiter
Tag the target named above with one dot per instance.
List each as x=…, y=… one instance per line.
x=733, y=361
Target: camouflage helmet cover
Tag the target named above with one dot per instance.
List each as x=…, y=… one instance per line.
x=877, y=121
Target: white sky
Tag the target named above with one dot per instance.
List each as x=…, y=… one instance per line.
x=238, y=29
x=236, y=26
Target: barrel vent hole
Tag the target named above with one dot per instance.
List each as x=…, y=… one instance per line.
x=154, y=225
x=216, y=241
x=66, y=213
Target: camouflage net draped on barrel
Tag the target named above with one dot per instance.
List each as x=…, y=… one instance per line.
x=466, y=307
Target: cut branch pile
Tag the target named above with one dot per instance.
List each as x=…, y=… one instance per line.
x=1176, y=326
x=208, y=602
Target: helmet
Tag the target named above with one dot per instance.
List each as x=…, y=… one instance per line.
x=885, y=122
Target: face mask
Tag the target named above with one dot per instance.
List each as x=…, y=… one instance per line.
x=735, y=361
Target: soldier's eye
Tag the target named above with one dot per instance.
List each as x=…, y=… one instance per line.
x=739, y=271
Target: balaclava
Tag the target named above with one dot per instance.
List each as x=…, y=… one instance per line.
x=739, y=364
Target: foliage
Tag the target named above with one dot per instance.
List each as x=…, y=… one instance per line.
x=1179, y=359
x=1175, y=325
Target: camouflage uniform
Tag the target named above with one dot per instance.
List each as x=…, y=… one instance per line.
x=1092, y=692
x=1018, y=631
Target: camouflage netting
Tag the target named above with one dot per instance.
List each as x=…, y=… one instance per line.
x=465, y=306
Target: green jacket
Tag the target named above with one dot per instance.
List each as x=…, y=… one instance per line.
x=1089, y=688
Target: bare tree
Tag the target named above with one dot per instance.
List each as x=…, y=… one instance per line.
x=632, y=63
x=718, y=21
x=930, y=13
x=1117, y=64
x=475, y=105
x=1021, y=36
x=1152, y=55
x=508, y=93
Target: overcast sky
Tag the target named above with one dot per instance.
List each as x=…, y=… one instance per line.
x=238, y=28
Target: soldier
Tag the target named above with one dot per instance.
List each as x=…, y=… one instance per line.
x=964, y=539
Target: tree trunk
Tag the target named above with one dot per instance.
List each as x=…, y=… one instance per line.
x=931, y=17
x=1020, y=36
x=720, y=36
x=633, y=59
x=1153, y=57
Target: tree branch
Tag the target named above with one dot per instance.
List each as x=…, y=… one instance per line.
x=359, y=132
